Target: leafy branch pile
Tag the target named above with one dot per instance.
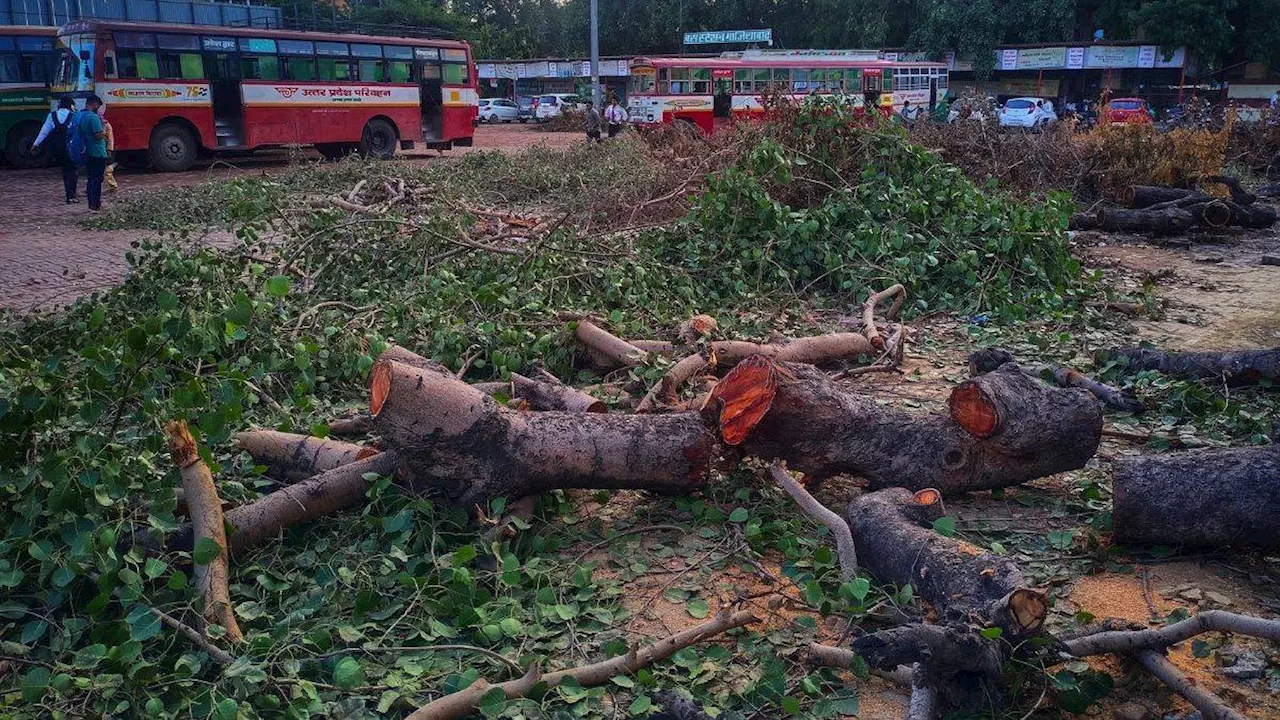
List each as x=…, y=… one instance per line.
x=281, y=330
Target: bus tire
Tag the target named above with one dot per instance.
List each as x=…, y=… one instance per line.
x=172, y=148
x=378, y=140
x=18, y=150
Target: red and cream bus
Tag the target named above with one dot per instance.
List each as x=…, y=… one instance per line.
x=173, y=91
x=709, y=91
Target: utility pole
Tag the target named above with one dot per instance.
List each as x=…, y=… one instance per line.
x=595, y=56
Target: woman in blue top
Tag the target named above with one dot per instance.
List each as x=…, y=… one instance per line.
x=95, y=150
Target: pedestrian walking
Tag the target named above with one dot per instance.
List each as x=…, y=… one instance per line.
x=909, y=113
x=94, y=137
x=109, y=177
x=594, y=123
x=615, y=116
x=54, y=131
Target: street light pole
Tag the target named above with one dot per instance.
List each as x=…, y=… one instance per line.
x=595, y=57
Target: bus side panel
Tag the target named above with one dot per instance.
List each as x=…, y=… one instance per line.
x=133, y=126
x=135, y=108
x=461, y=106
x=280, y=113
x=704, y=119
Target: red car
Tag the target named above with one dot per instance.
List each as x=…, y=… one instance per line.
x=1127, y=111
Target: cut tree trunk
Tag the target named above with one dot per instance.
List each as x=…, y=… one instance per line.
x=1237, y=367
x=1213, y=498
x=1255, y=217
x=1004, y=428
x=207, y=524
x=1214, y=213
x=969, y=588
x=1143, y=196
x=1083, y=221
x=1167, y=221
x=989, y=359
x=290, y=457
x=545, y=393
x=455, y=440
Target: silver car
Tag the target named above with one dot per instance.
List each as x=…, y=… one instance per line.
x=493, y=110
x=1027, y=112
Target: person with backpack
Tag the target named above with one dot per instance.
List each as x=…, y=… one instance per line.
x=93, y=137
x=55, y=130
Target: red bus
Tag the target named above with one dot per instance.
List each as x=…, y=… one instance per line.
x=173, y=91
x=709, y=91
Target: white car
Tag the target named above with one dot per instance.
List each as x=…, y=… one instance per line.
x=549, y=106
x=494, y=110
x=1027, y=112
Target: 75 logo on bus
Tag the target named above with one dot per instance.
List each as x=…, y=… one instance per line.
x=286, y=92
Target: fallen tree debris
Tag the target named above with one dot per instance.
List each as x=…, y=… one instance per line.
x=989, y=359
x=464, y=702
x=1004, y=428
x=290, y=457
x=1143, y=196
x=898, y=293
x=355, y=425
x=1163, y=221
x=546, y=392
x=1198, y=498
x=205, y=509
x=606, y=348
x=845, y=549
x=1236, y=367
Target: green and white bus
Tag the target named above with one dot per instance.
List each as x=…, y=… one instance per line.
x=27, y=61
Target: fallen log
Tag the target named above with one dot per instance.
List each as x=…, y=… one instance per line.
x=1238, y=194
x=898, y=293
x=1236, y=367
x=1166, y=221
x=1143, y=196
x=290, y=457
x=545, y=393
x=1254, y=217
x=455, y=440
x=1211, y=498
x=1083, y=221
x=989, y=359
x=607, y=348
x=354, y=425
x=1003, y=428
x=464, y=702
x=1213, y=213
x=207, y=524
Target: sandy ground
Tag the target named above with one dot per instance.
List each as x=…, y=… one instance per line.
x=48, y=260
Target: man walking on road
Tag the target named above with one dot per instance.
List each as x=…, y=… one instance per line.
x=94, y=135
x=615, y=116
x=593, y=124
x=55, y=130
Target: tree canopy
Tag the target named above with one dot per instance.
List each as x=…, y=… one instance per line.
x=1221, y=32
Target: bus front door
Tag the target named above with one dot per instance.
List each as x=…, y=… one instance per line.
x=431, y=100
x=722, y=102
x=224, y=94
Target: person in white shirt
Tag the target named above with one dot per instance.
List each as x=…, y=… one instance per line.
x=55, y=129
x=615, y=117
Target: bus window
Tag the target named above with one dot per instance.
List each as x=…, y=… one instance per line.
x=429, y=72
x=296, y=47
x=664, y=81
x=399, y=71
x=742, y=81
x=835, y=81
x=818, y=80
x=332, y=69
x=886, y=83
x=426, y=53
x=397, y=52
x=136, y=41
x=455, y=74
x=701, y=81
x=451, y=55
x=332, y=49
x=782, y=80
x=137, y=65
x=799, y=80
x=763, y=76
x=679, y=81
x=642, y=80
x=181, y=66
x=369, y=71
x=10, y=69
x=299, y=68
x=264, y=67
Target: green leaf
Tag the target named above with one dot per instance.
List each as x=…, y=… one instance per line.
x=945, y=525
x=790, y=705
x=207, y=550
x=855, y=589
x=698, y=608
x=226, y=709
x=154, y=568
x=34, y=684
x=739, y=515
x=143, y=624
x=33, y=631
x=624, y=681
x=992, y=633
x=463, y=555
x=348, y=674
x=640, y=706
x=278, y=286
x=177, y=580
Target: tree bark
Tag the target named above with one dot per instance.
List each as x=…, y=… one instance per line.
x=1004, y=428
x=1213, y=498
x=290, y=457
x=1142, y=196
x=989, y=359
x=1237, y=367
x=607, y=348
x=455, y=440
x=545, y=393
x=1212, y=213
x=1167, y=221
x=207, y=523
x=359, y=424
x=1083, y=221
x=1256, y=217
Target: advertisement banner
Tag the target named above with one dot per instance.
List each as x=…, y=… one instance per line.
x=1008, y=59
x=153, y=93
x=1028, y=87
x=623, y=68
x=1147, y=56
x=1110, y=56
x=1075, y=58
x=721, y=37
x=285, y=94
x=1042, y=58
x=1176, y=59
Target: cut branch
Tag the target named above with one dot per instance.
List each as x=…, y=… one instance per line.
x=1214, y=498
x=1235, y=366
x=1128, y=641
x=667, y=389
x=839, y=528
x=546, y=392
x=355, y=425
x=464, y=702
x=899, y=293
x=292, y=457
x=989, y=359
x=205, y=509
x=606, y=347
x=1210, y=706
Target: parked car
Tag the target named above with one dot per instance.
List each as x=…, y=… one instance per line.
x=1027, y=112
x=549, y=106
x=1127, y=111
x=493, y=110
x=526, y=108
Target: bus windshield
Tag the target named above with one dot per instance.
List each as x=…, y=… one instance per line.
x=75, y=64
x=643, y=79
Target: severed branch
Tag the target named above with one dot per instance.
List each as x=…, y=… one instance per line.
x=664, y=393
x=464, y=702
x=899, y=293
x=1126, y=641
x=358, y=424
x=607, y=346
x=1210, y=705
x=845, y=549
x=205, y=509
x=989, y=359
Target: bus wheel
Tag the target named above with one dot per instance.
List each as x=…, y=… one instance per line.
x=18, y=150
x=378, y=140
x=172, y=148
